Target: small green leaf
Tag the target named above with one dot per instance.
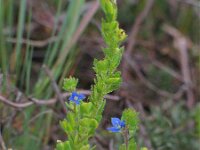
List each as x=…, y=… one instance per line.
x=109, y=8
x=113, y=84
x=131, y=119
x=85, y=147
x=88, y=126
x=122, y=147
x=63, y=145
x=132, y=145
x=70, y=84
x=86, y=109
x=101, y=66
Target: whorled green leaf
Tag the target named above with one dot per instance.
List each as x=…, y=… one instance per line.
x=88, y=125
x=69, y=84
x=100, y=67
x=131, y=146
x=85, y=147
x=113, y=84
x=110, y=9
x=85, y=118
x=131, y=119
x=69, y=123
x=86, y=109
x=63, y=145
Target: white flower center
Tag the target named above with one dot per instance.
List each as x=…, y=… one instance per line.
x=76, y=98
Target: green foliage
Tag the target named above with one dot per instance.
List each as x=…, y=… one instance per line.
x=78, y=127
x=63, y=145
x=110, y=9
x=169, y=129
x=70, y=84
x=161, y=79
x=131, y=146
x=144, y=148
x=131, y=119
x=59, y=53
x=81, y=123
x=108, y=79
x=17, y=60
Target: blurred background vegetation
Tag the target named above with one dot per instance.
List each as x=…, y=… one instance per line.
x=44, y=41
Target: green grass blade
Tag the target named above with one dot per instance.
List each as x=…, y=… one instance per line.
x=67, y=31
x=20, y=28
x=3, y=55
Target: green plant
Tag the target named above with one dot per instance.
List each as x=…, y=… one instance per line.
x=17, y=62
x=169, y=127
x=84, y=117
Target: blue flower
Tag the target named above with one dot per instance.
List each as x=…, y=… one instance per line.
x=117, y=125
x=76, y=97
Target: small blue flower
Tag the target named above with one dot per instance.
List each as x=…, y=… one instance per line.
x=76, y=97
x=117, y=125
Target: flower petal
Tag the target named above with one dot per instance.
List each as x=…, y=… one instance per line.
x=71, y=98
x=122, y=124
x=77, y=102
x=76, y=98
x=81, y=96
x=115, y=122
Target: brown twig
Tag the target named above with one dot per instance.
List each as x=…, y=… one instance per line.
x=111, y=145
x=136, y=27
x=151, y=86
x=2, y=143
x=167, y=69
x=132, y=40
x=13, y=104
x=27, y=28
x=55, y=87
x=43, y=102
x=47, y=102
x=191, y=2
x=42, y=15
x=132, y=37
x=35, y=43
x=182, y=44
x=87, y=92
